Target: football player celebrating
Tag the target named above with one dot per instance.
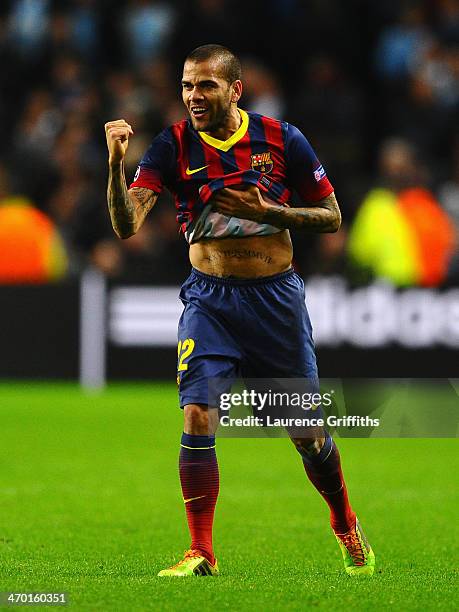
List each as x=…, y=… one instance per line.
x=232, y=174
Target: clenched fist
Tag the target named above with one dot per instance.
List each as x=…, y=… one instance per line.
x=117, y=133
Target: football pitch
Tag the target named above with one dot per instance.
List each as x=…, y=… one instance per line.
x=91, y=506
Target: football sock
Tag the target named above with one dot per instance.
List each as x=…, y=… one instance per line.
x=324, y=471
x=200, y=484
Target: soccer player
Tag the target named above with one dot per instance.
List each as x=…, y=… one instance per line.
x=232, y=174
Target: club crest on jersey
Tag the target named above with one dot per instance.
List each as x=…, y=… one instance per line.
x=262, y=162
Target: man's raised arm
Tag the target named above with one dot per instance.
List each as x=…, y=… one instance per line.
x=128, y=207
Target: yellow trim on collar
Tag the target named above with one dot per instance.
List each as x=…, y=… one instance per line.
x=225, y=145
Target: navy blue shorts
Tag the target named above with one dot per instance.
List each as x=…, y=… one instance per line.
x=242, y=328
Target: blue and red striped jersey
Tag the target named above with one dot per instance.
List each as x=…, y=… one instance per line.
x=272, y=154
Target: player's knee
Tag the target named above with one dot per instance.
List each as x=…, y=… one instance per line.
x=308, y=446
x=197, y=420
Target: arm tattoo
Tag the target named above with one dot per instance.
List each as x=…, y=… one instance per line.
x=144, y=199
x=122, y=210
x=323, y=217
x=128, y=209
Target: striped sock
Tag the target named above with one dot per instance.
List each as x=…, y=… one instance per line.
x=200, y=484
x=324, y=471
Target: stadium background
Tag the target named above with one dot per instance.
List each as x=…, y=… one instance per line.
x=375, y=87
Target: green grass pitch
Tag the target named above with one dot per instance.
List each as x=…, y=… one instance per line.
x=91, y=505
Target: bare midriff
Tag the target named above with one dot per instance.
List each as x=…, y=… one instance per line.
x=250, y=257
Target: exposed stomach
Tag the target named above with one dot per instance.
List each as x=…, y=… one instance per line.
x=248, y=257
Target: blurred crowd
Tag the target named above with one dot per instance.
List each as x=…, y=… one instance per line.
x=373, y=84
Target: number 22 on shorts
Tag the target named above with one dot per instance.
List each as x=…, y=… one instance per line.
x=184, y=350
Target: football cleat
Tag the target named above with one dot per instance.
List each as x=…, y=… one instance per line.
x=358, y=557
x=192, y=564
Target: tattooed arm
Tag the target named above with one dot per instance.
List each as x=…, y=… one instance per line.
x=128, y=208
x=323, y=217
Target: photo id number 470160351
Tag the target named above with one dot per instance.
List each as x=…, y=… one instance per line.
x=11, y=598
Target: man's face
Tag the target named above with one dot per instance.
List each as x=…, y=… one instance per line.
x=207, y=95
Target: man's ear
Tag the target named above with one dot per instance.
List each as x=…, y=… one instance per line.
x=237, y=91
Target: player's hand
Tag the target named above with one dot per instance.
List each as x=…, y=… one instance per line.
x=244, y=202
x=117, y=134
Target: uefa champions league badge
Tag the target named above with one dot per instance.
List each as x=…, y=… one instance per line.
x=319, y=174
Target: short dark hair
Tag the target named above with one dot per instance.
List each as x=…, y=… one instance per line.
x=231, y=65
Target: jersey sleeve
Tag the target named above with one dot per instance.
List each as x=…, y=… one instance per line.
x=156, y=166
x=304, y=171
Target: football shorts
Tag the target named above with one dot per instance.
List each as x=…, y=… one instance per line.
x=234, y=328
